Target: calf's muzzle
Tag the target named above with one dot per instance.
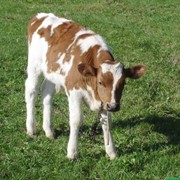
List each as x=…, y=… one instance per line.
x=113, y=107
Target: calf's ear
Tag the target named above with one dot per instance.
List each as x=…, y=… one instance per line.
x=136, y=71
x=87, y=70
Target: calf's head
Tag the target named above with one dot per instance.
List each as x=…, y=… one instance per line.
x=110, y=81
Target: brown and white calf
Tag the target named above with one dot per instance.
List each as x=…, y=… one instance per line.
x=79, y=61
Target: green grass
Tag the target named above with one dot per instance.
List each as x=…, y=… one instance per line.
x=146, y=130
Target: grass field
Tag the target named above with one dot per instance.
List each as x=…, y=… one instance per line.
x=146, y=130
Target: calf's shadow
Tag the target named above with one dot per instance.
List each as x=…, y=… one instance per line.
x=168, y=126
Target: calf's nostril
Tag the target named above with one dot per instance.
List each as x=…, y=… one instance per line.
x=112, y=106
x=108, y=106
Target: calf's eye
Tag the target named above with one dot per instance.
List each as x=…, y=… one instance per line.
x=101, y=84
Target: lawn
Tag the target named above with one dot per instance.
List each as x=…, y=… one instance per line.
x=146, y=130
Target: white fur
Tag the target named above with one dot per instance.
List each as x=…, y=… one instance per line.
x=81, y=32
x=65, y=66
x=48, y=89
x=90, y=99
x=74, y=99
x=91, y=41
x=41, y=15
x=51, y=20
x=108, y=140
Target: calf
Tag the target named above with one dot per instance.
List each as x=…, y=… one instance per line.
x=78, y=60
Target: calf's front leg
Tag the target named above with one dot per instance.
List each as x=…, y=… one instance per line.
x=74, y=122
x=106, y=121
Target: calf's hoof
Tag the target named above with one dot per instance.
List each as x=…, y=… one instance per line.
x=112, y=156
x=50, y=134
x=31, y=134
x=72, y=156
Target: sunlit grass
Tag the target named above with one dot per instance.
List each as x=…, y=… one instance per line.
x=146, y=131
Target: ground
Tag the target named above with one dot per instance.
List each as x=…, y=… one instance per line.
x=146, y=130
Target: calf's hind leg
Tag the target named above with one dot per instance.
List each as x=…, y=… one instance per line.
x=48, y=89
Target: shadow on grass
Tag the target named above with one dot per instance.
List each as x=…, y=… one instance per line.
x=62, y=130
x=89, y=132
x=169, y=126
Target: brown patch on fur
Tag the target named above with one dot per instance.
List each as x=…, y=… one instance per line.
x=58, y=42
x=75, y=79
x=90, y=57
x=33, y=25
x=136, y=71
x=105, y=85
x=83, y=36
x=106, y=56
x=119, y=88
